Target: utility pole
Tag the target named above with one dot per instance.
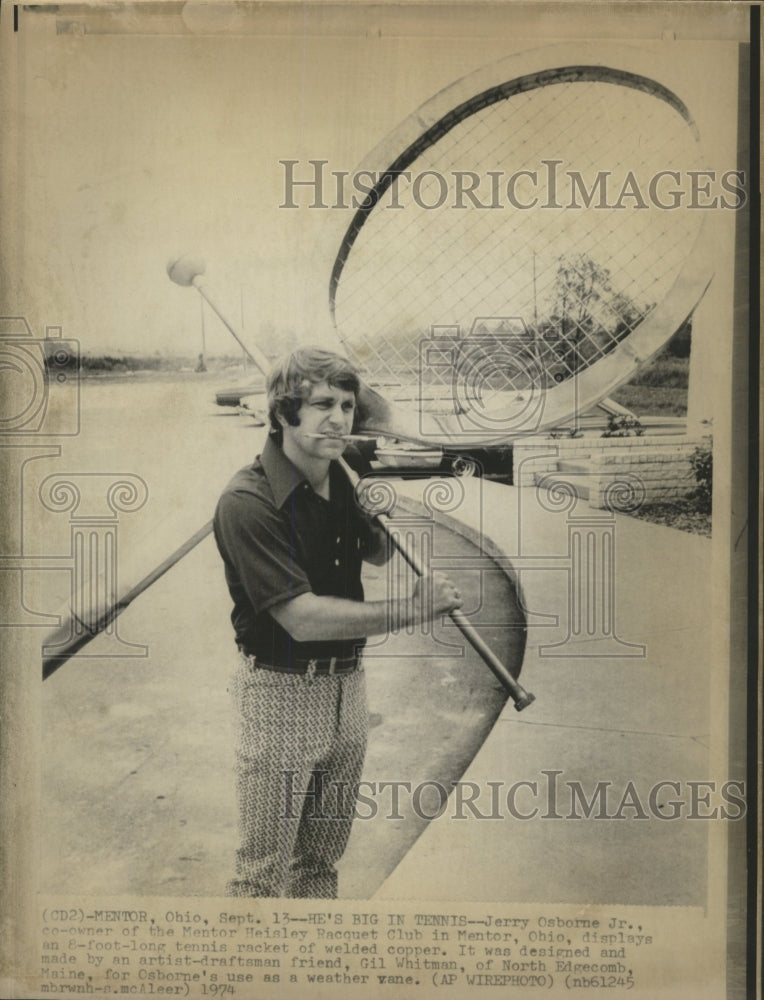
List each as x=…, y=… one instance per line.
x=201, y=365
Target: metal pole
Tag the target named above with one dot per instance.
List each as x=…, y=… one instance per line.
x=517, y=692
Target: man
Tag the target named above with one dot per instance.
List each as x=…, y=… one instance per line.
x=293, y=540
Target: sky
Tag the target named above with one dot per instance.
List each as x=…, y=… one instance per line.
x=144, y=139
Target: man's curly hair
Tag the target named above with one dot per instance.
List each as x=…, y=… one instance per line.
x=292, y=378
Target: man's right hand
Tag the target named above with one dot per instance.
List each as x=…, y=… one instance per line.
x=435, y=594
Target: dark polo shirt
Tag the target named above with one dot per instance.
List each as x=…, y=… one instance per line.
x=279, y=539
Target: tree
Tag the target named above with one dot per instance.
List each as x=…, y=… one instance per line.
x=588, y=316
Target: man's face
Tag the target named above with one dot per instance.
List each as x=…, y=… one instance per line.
x=324, y=417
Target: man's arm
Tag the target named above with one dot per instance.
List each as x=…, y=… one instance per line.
x=310, y=618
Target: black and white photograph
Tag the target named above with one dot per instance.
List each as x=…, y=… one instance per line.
x=379, y=516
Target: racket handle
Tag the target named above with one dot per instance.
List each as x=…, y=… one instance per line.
x=517, y=692
x=73, y=634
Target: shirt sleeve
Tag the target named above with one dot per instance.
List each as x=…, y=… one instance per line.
x=255, y=543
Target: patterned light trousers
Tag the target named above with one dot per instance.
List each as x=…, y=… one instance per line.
x=300, y=747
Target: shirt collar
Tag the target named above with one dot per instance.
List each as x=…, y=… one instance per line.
x=284, y=477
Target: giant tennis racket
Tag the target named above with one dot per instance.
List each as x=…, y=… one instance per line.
x=530, y=240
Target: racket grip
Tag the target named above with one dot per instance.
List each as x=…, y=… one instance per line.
x=517, y=692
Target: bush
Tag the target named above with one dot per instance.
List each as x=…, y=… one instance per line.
x=131, y=362
x=623, y=425
x=681, y=343
x=702, y=462
x=665, y=370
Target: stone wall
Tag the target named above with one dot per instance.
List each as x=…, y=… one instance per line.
x=653, y=467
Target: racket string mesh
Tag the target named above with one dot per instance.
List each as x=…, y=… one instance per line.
x=527, y=240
